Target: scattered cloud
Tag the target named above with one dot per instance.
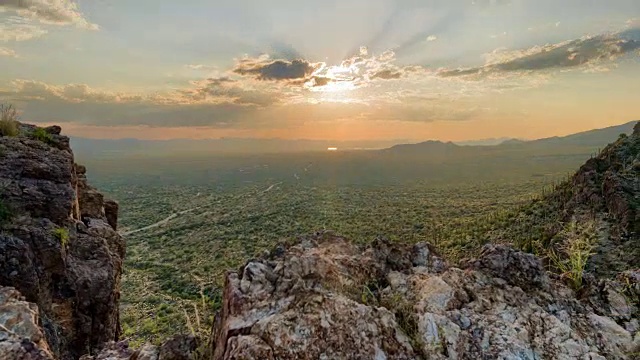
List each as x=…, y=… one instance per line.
x=387, y=74
x=432, y=38
x=201, y=67
x=17, y=31
x=226, y=90
x=79, y=103
x=57, y=12
x=7, y=52
x=264, y=68
x=586, y=52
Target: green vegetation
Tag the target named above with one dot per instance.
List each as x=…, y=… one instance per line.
x=9, y=125
x=212, y=214
x=42, y=135
x=62, y=235
x=574, y=252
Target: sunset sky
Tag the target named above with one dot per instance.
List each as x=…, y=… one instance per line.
x=332, y=69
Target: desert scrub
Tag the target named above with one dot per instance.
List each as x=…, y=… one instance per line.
x=9, y=125
x=573, y=253
x=62, y=235
x=42, y=135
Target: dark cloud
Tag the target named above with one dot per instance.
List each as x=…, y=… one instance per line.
x=266, y=69
x=387, y=75
x=569, y=54
x=60, y=12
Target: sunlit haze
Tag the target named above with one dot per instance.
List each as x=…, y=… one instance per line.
x=334, y=70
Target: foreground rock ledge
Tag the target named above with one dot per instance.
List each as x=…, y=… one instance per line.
x=327, y=299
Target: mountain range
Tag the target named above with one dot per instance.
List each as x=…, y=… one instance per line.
x=118, y=148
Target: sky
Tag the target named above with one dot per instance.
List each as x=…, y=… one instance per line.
x=450, y=70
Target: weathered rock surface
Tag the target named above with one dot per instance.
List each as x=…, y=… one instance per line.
x=177, y=348
x=20, y=335
x=59, y=247
x=325, y=298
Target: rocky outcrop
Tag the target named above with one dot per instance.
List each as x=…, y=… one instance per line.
x=20, y=335
x=177, y=348
x=325, y=298
x=58, y=244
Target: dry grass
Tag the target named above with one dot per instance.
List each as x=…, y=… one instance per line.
x=574, y=252
x=8, y=120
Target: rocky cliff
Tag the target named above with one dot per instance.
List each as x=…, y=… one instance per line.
x=58, y=248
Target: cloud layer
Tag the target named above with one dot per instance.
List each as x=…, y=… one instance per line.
x=7, y=52
x=584, y=52
x=286, y=89
x=58, y=12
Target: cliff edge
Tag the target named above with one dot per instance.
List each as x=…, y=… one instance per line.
x=58, y=247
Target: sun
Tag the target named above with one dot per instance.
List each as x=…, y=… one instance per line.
x=332, y=79
x=334, y=87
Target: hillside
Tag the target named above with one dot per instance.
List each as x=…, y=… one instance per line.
x=600, y=201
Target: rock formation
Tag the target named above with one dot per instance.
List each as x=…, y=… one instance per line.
x=58, y=244
x=325, y=298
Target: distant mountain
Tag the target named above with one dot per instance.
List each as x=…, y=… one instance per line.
x=596, y=137
x=485, y=142
x=591, y=139
x=114, y=148
x=431, y=146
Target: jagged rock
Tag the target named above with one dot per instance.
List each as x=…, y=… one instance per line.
x=178, y=348
x=114, y=351
x=59, y=248
x=111, y=213
x=516, y=268
x=325, y=298
x=20, y=335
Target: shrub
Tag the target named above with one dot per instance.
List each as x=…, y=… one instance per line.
x=8, y=121
x=574, y=252
x=62, y=235
x=42, y=135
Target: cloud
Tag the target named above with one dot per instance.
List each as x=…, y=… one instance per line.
x=201, y=67
x=387, y=74
x=580, y=53
x=57, y=12
x=225, y=89
x=79, y=103
x=15, y=31
x=432, y=38
x=264, y=68
x=7, y=52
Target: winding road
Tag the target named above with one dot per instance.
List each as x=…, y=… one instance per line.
x=175, y=215
x=161, y=222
